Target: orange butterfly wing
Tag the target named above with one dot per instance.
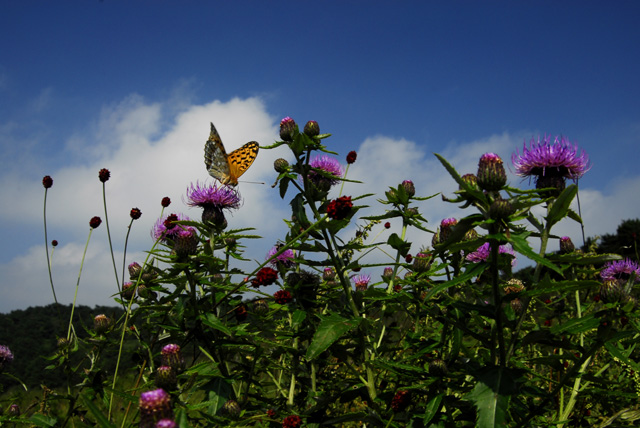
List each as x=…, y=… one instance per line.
x=227, y=168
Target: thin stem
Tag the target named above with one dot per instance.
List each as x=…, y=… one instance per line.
x=73, y=307
x=106, y=220
x=46, y=245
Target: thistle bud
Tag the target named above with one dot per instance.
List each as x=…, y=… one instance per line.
x=287, y=129
x=471, y=180
x=280, y=165
x=566, y=245
x=491, y=173
x=611, y=291
x=260, y=307
x=387, y=274
x=154, y=406
x=134, y=270
x=14, y=410
x=172, y=356
x=232, y=408
x=421, y=262
x=409, y=187
x=127, y=291
x=166, y=378
x=500, y=209
x=311, y=128
x=101, y=323
x=437, y=367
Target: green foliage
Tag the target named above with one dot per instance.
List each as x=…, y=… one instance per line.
x=450, y=338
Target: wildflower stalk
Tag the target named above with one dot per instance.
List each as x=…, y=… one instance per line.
x=73, y=307
x=106, y=219
x=46, y=245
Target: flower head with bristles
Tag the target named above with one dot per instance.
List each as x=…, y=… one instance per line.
x=620, y=270
x=214, y=196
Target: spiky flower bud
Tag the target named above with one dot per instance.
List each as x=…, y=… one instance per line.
x=500, y=209
x=329, y=274
x=566, y=245
x=287, y=129
x=260, y=306
x=171, y=356
x=280, y=165
x=421, y=262
x=471, y=180
x=437, y=367
x=387, y=274
x=409, y=187
x=611, y=291
x=491, y=174
x=166, y=378
x=312, y=128
x=101, y=323
x=134, y=270
x=232, y=408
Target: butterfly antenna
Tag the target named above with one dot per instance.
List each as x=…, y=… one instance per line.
x=252, y=182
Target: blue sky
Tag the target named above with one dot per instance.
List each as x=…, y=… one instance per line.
x=131, y=86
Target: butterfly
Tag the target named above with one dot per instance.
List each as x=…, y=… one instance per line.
x=227, y=168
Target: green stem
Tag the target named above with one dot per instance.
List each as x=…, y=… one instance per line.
x=106, y=220
x=78, y=284
x=46, y=245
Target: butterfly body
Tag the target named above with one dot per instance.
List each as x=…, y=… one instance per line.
x=227, y=168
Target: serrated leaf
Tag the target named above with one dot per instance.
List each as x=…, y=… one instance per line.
x=43, y=421
x=297, y=318
x=561, y=205
x=331, y=328
x=398, y=244
x=491, y=397
x=520, y=244
x=212, y=321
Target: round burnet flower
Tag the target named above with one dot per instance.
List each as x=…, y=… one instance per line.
x=491, y=174
x=95, y=222
x=166, y=227
x=135, y=213
x=292, y=421
x=339, y=209
x=312, y=128
x=154, y=406
x=171, y=356
x=351, y=157
x=620, y=271
x=286, y=258
x=332, y=169
x=265, y=276
x=104, y=174
x=47, y=182
x=361, y=281
x=282, y=297
x=6, y=357
x=401, y=400
x=287, y=129
x=551, y=163
x=54, y=243
x=166, y=201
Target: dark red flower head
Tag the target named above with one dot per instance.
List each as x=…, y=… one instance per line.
x=351, y=157
x=95, y=222
x=340, y=208
x=169, y=223
x=282, y=297
x=104, y=174
x=265, y=276
x=54, y=243
x=401, y=400
x=292, y=421
x=165, y=202
x=47, y=181
x=135, y=213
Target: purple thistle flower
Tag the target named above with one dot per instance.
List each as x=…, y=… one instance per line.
x=361, y=281
x=620, y=270
x=286, y=258
x=6, y=356
x=327, y=164
x=484, y=251
x=161, y=230
x=166, y=423
x=560, y=159
x=213, y=196
x=154, y=406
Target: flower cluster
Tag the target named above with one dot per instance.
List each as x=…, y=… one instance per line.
x=265, y=276
x=282, y=297
x=292, y=421
x=154, y=406
x=361, y=282
x=339, y=209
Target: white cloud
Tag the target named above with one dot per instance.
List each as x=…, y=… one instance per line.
x=155, y=150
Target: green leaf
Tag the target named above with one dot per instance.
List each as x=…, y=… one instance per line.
x=43, y=421
x=284, y=185
x=433, y=406
x=100, y=417
x=561, y=205
x=577, y=325
x=520, y=244
x=471, y=272
x=331, y=328
x=398, y=244
x=219, y=393
x=212, y=321
x=477, y=194
x=491, y=397
x=297, y=318
x=616, y=352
